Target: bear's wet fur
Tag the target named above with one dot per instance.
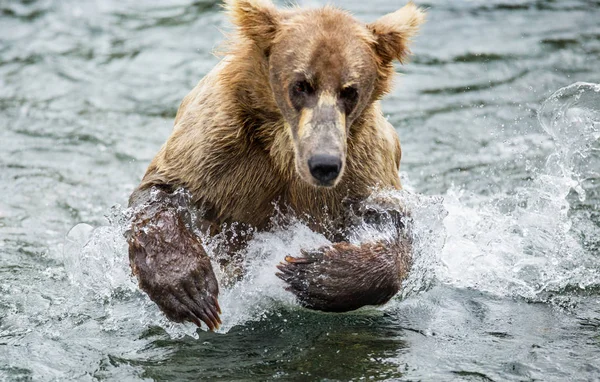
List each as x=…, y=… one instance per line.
x=290, y=121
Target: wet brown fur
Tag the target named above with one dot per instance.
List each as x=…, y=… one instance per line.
x=230, y=146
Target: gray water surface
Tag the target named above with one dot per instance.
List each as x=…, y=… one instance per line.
x=507, y=209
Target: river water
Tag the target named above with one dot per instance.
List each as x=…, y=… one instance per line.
x=500, y=121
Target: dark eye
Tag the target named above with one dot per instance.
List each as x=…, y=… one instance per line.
x=300, y=93
x=302, y=87
x=349, y=96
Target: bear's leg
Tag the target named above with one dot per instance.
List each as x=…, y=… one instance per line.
x=169, y=260
x=344, y=277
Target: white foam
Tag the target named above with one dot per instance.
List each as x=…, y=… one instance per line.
x=530, y=249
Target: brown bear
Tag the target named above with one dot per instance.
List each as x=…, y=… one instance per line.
x=288, y=121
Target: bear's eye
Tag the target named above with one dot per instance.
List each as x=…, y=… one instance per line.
x=303, y=87
x=300, y=92
x=349, y=96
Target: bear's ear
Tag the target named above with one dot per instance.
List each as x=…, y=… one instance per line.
x=393, y=32
x=258, y=20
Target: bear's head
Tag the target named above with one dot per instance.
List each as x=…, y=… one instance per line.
x=325, y=68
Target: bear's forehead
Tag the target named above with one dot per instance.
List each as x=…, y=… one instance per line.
x=326, y=41
x=326, y=23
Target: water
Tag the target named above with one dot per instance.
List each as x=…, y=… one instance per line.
x=504, y=186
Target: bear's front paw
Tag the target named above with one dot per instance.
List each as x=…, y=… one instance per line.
x=342, y=277
x=175, y=272
x=184, y=288
x=192, y=297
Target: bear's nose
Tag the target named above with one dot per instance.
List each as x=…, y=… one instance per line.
x=325, y=168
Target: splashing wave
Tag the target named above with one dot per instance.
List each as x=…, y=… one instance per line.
x=523, y=244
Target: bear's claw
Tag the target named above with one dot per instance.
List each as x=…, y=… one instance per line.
x=197, y=307
x=298, y=260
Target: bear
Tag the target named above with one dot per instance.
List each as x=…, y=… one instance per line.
x=288, y=122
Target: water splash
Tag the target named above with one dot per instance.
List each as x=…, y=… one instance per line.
x=260, y=291
x=571, y=116
x=532, y=249
x=521, y=244
x=97, y=264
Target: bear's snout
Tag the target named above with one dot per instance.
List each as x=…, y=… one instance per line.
x=325, y=168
